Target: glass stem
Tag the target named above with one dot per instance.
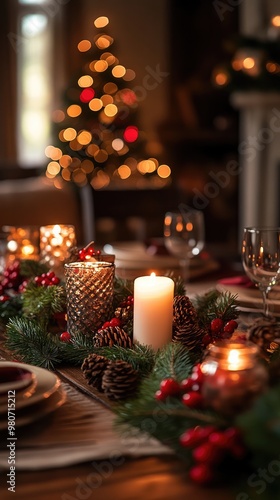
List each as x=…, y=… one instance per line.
x=264, y=293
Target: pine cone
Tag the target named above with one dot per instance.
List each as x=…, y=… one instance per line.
x=120, y=380
x=93, y=369
x=186, y=328
x=113, y=335
x=263, y=332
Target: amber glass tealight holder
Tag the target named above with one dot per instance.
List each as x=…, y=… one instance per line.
x=234, y=375
x=89, y=292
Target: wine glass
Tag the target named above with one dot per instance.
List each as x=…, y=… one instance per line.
x=261, y=259
x=184, y=236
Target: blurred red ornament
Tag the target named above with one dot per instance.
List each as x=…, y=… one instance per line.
x=131, y=134
x=87, y=94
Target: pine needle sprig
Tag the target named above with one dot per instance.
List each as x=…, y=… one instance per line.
x=75, y=351
x=141, y=357
x=11, y=308
x=43, y=302
x=173, y=361
x=216, y=305
x=122, y=288
x=30, y=268
x=31, y=344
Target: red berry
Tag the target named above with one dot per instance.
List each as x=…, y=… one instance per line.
x=65, y=337
x=207, y=339
x=4, y=298
x=219, y=438
x=115, y=322
x=105, y=325
x=170, y=387
x=187, y=384
x=82, y=254
x=196, y=435
x=201, y=474
x=160, y=396
x=192, y=399
x=216, y=325
x=207, y=452
x=55, y=280
x=50, y=275
x=230, y=326
x=197, y=377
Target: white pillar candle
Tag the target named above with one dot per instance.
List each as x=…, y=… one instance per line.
x=153, y=310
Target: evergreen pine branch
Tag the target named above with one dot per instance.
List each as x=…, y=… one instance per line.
x=216, y=305
x=30, y=268
x=122, y=288
x=31, y=344
x=169, y=419
x=142, y=358
x=75, y=351
x=41, y=303
x=11, y=308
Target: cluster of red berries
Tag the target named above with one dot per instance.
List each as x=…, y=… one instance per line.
x=11, y=278
x=189, y=389
x=65, y=336
x=128, y=302
x=220, y=330
x=112, y=322
x=88, y=252
x=47, y=279
x=210, y=447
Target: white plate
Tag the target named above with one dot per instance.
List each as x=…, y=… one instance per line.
x=37, y=411
x=251, y=297
x=14, y=378
x=47, y=384
x=133, y=254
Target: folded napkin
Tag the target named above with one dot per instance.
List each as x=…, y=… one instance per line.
x=240, y=281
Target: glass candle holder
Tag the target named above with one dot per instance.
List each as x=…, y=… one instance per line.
x=89, y=292
x=22, y=242
x=233, y=376
x=55, y=243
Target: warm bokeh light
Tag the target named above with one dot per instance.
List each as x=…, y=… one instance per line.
x=106, y=99
x=100, y=66
x=100, y=156
x=65, y=161
x=84, y=137
x=237, y=64
x=248, y=62
x=95, y=104
x=110, y=110
x=275, y=21
x=58, y=116
x=272, y=67
x=69, y=134
x=101, y=22
x=87, y=166
x=101, y=180
x=74, y=110
x=118, y=71
x=53, y=168
x=85, y=81
x=124, y=172
x=92, y=149
x=117, y=144
x=221, y=78
x=103, y=42
x=84, y=45
x=110, y=88
x=129, y=75
x=164, y=171
x=109, y=58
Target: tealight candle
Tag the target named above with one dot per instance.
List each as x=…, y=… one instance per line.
x=153, y=310
x=55, y=243
x=233, y=376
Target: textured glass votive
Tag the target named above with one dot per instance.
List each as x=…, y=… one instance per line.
x=89, y=291
x=55, y=243
x=22, y=242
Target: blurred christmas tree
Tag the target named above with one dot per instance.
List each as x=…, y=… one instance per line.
x=98, y=141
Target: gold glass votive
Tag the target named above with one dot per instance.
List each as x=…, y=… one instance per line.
x=233, y=376
x=55, y=243
x=89, y=292
x=22, y=242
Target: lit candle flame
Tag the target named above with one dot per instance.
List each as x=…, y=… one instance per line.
x=234, y=362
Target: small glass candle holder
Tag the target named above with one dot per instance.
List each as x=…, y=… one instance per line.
x=89, y=293
x=233, y=376
x=22, y=242
x=55, y=243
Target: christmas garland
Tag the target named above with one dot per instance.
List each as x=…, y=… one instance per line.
x=160, y=393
